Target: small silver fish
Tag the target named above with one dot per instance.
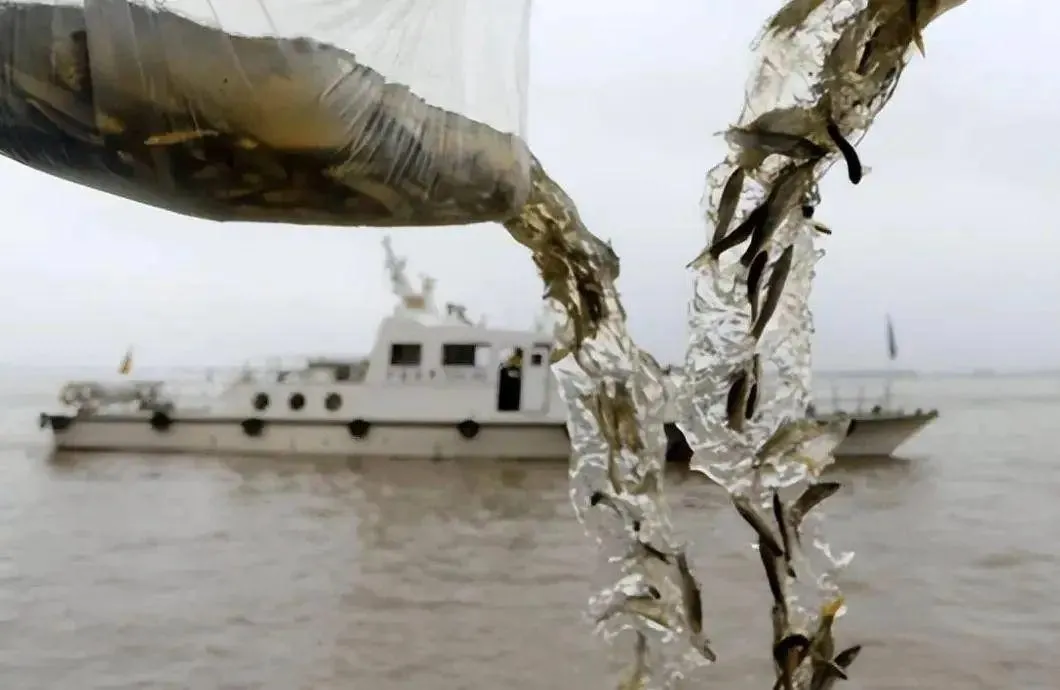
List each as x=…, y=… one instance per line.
x=736, y=400
x=637, y=678
x=782, y=526
x=775, y=288
x=788, y=188
x=730, y=197
x=822, y=648
x=776, y=583
x=823, y=643
x=738, y=236
x=807, y=500
x=788, y=654
x=758, y=524
x=780, y=143
x=792, y=15
x=690, y=593
x=754, y=281
x=645, y=604
x=792, y=434
x=854, y=170
x=646, y=550
x=752, y=402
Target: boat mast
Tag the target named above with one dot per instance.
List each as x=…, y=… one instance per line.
x=409, y=298
x=892, y=355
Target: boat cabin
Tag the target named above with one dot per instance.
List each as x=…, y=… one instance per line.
x=426, y=364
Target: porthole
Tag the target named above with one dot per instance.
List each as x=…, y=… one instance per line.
x=261, y=401
x=333, y=402
x=296, y=401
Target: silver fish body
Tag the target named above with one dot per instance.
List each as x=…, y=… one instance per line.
x=774, y=289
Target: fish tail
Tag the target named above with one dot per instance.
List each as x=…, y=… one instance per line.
x=918, y=39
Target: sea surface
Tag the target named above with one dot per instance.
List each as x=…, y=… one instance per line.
x=163, y=573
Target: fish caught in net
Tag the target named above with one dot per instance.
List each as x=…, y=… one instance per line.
x=144, y=102
x=616, y=398
x=825, y=70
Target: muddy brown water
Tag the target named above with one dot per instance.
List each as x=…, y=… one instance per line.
x=126, y=572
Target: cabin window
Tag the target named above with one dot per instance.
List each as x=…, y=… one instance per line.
x=333, y=402
x=536, y=359
x=342, y=373
x=459, y=355
x=296, y=401
x=406, y=354
x=261, y=401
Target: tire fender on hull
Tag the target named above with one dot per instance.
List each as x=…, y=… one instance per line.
x=359, y=428
x=160, y=421
x=253, y=426
x=468, y=428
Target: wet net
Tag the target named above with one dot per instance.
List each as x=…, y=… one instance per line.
x=329, y=112
x=825, y=70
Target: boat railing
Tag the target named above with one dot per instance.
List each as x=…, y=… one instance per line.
x=864, y=402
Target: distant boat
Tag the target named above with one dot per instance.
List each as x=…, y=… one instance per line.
x=882, y=429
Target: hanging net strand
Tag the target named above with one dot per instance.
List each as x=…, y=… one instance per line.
x=825, y=70
x=615, y=395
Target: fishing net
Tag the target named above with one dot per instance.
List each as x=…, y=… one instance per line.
x=330, y=112
x=825, y=70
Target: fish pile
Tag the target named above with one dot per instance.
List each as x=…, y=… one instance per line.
x=144, y=103
x=826, y=68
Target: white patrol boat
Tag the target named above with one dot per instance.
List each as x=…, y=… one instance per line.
x=435, y=385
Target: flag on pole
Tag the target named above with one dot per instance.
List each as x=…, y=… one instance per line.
x=126, y=363
x=892, y=343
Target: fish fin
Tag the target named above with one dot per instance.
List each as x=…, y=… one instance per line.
x=704, y=258
x=810, y=498
x=751, y=516
x=836, y=671
x=846, y=657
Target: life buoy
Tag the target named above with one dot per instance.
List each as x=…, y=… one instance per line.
x=160, y=421
x=359, y=428
x=468, y=429
x=253, y=426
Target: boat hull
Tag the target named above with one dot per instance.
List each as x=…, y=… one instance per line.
x=882, y=435
x=871, y=436
x=229, y=437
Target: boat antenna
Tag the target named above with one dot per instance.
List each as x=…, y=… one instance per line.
x=395, y=267
x=892, y=355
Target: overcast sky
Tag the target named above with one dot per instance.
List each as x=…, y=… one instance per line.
x=950, y=233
